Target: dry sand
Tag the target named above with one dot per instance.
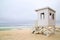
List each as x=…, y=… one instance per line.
x=26, y=34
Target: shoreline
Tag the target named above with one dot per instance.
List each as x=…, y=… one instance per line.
x=20, y=28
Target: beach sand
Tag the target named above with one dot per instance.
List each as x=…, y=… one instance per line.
x=26, y=34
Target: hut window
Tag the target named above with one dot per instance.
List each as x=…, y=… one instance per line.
x=53, y=16
x=42, y=15
x=50, y=14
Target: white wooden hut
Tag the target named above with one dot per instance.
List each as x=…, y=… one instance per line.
x=45, y=21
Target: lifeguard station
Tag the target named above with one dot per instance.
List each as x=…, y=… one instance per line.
x=45, y=21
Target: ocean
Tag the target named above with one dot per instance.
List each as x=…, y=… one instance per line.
x=23, y=26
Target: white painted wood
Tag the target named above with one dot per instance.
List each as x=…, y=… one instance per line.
x=47, y=23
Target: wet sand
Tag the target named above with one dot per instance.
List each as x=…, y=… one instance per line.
x=26, y=34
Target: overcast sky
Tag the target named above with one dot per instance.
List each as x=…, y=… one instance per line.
x=23, y=11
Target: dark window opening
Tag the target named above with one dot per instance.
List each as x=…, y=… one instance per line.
x=50, y=14
x=42, y=15
x=53, y=16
